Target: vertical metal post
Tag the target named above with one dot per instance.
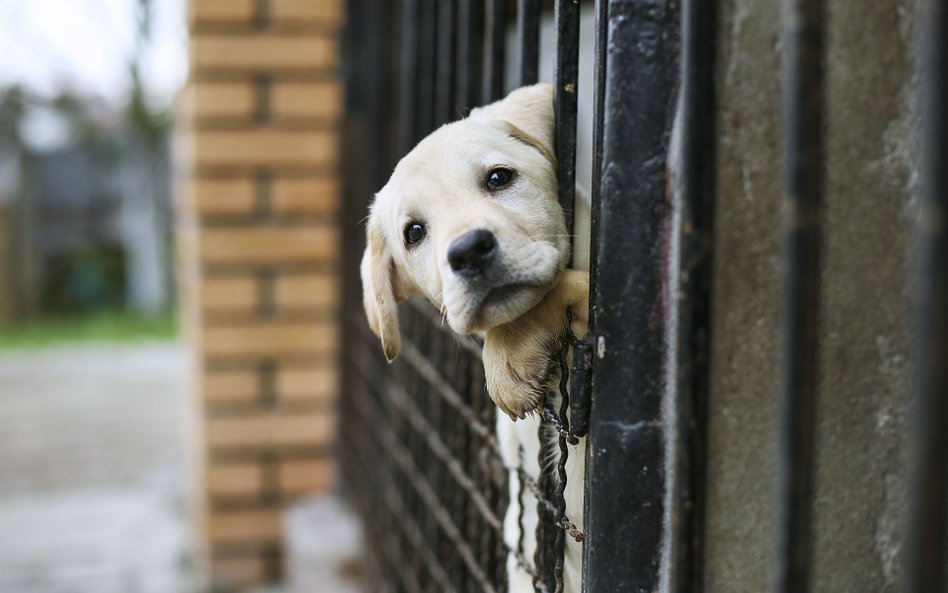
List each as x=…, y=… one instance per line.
x=495, y=50
x=627, y=483
x=470, y=64
x=550, y=533
x=803, y=182
x=408, y=91
x=528, y=35
x=566, y=74
x=926, y=571
x=425, y=68
x=583, y=355
x=447, y=61
x=693, y=303
x=368, y=135
x=352, y=188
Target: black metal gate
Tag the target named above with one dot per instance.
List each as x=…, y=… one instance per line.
x=419, y=453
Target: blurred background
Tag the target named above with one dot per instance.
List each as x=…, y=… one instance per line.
x=167, y=296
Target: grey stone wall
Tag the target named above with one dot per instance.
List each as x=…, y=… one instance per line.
x=866, y=334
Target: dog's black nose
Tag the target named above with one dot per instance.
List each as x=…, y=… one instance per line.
x=472, y=253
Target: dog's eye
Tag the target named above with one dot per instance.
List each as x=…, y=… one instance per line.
x=498, y=178
x=414, y=232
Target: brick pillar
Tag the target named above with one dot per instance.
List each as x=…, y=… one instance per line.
x=259, y=246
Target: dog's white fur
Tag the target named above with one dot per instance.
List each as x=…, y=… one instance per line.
x=519, y=303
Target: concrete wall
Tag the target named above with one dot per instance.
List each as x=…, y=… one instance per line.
x=866, y=334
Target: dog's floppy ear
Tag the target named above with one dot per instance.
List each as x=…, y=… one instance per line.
x=379, y=290
x=528, y=115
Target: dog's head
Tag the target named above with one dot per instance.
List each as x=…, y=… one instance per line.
x=470, y=219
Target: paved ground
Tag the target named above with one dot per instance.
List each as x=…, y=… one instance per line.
x=94, y=479
x=93, y=470
x=323, y=543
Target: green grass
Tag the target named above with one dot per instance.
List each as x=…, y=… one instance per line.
x=99, y=327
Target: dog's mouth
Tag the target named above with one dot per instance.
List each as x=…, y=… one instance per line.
x=502, y=294
x=505, y=303
x=489, y=307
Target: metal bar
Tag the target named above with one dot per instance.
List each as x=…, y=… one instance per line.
x=426, y=68
x=548, y=557
x=521, y=491
x=470, y=55
x=352, y=187
x=929, y=482
x=528, y=36
x=627, y=484
x=566, y=75
x=368, y=41
x=495, y=50
x=559, y=545
x=692, y=272
x=550, y=533
x=447, y=60
x=408, y=87
x=803, y=181
x=584, y=352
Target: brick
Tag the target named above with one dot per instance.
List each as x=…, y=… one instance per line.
x=264, y=147
x=307, y=195
x=227, y=196
x=239, y=572
x=251, y=526
x=325, y=12
x=231, y=387
x=269, y=244
x=270, y=338
x=223, y=100
x=230, y=294
x=306, y=100
x=234, y=480
x=255, y=51
x=271, y=429
x=307, y=384
x=309, y=291
x=226, y=11
x=305, y=476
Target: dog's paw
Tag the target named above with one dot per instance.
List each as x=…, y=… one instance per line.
x=520, y=366
x=521, y=357
x=572, y=291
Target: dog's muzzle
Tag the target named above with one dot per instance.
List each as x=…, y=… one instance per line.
x=487, y=283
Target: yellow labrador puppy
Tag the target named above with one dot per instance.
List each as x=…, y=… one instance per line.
x=470, y=219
